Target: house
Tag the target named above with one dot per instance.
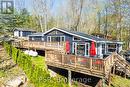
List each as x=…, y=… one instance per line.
x=80, y=43
x=23, y=32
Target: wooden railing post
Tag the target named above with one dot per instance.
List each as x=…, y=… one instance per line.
x=62, y=58
x=91, y=66
x=75, y=60
x=58, y=45
x=125, y=71
x=104, y=71
x=45, y=55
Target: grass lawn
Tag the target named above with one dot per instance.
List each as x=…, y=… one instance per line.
x=39, y=61
x=118, y=81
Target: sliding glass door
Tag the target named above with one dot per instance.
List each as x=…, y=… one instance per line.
x=81, y=49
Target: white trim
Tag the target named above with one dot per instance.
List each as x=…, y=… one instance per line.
x=55, y=36
x=35, y=35
x=21, y=33
x=61, y=38
x=73, y=48
x=68, y=33
x=76, y=43
x=48, y=40
x=104, y=48
x=86, y=48
x=116, y=42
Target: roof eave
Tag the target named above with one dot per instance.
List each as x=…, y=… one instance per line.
x=69, y=33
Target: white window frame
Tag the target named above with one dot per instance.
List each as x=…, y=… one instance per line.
x=48, y=38
x=42, y=38
x=86, y=48
x=104, y=48
x=74, y=43
x=61, y=38
x=81, y=44
x=55, y=36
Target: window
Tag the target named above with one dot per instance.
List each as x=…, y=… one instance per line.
x=81, y=49
x=87, y=49
x=103, y=48
x=62, y=38
x=76, y=38
x=49, y=39
x=55, y=38
x=111, y=47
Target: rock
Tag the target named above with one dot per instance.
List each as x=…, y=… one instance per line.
x=52, y=73
x=16, y=82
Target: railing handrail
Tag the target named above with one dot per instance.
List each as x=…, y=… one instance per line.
x=124, y=61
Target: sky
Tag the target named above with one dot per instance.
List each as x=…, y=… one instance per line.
x=56, y=4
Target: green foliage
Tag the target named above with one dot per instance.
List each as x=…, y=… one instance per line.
x=20, y=19
x=35, y=68
x=118, y=81
x=2, y=73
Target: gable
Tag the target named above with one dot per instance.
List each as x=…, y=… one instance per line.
x=67, y=32
x=55, y=32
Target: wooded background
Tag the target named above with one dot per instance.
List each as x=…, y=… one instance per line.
x=111, y=19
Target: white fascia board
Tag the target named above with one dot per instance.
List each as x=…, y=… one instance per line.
x=69, y=33
x=35, y=35
x=104, y=42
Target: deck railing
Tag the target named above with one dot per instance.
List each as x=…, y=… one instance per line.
x=108, y=63
x=76, y=61
x=123, y=63
x=41, y=45
x=93, y=64
x=103, y=66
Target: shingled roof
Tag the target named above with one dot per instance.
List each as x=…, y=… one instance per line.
x=86, y=35
x=75, y=33
x=24, y=29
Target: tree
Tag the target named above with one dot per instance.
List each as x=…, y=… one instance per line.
x=42, y=12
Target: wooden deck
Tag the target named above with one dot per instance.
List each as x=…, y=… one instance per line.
x=58, y=46
x=55, y=56
x=90, y=66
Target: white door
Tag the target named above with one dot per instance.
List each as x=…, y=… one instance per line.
x=81, y=49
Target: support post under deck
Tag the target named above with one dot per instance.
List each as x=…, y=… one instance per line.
x=103, y=82
x=69, y=78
